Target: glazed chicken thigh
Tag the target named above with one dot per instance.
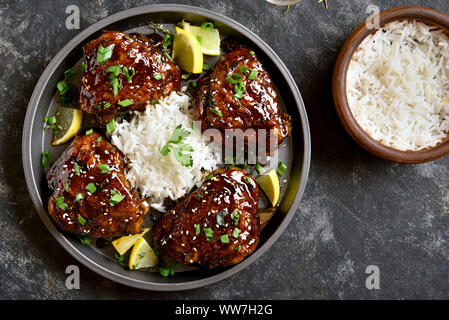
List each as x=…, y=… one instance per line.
x=239, y=94
x=124, y=72
x=91, y=195
x=217, y=225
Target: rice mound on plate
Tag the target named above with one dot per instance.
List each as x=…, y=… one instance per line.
x=142, y=138
x=398, y=85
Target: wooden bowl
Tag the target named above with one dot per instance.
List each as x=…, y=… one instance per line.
x=339, y=87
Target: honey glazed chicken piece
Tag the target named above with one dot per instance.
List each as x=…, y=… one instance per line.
x=217, y=225
x=91, y=195
x=239, y=94
x=123, y=73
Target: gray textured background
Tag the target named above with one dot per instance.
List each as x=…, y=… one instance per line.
x=357, y=210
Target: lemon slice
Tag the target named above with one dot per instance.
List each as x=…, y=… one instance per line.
x=187, y=51
x=270, y=185
x=142, y=256
x=209, y=39
x=125, y=243
x=68, y=121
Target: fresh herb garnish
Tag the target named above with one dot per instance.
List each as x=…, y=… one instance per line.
x=129, y=73
x=206, y=67
x=193, y=84
x=119, y=257
x=79, y=197
x=90, y=131
x=238, y=248
x=164, y=271
x=45, y=159
x=185, y=76
x=107, y=105
x=51, y=123
x=157, y=76
x=104, y=54
x=104, y=168
x=83, y=67
x=248, y=180
x=179, y=149
x=91, y=188
x=66, y=186
x=81, y=220
x=154, y=101
x=243, y=69
x=224, y=238
x=210, y=236
x=110, y=127
x=85, y=240
x=220, y=218
x=259, y=168
x=217, y=112
x=199, y=196
x=281, y=168
x=197, y=229
x=252, y=53
x=236, y=232
x=60, y=203
x=207, y=25
x=115, y=86
x=77, y=168
x=116, y=198
x=99, y=139
x=253, y=75
x=69, y=73
x=235, y=217
x=115, y=70
x=126, y=102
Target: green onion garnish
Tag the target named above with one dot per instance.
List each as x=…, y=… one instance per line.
x=114, y=84
x=259, y=168
x=252, y=53
x=77, y=168
x=185, y=76
x=115, y=70
x=209, y=234
x=81, y=220
x=217, y=112
x=236, y=232
x=207, y=25
x=197, y=229
x=281, y=168
x=200, y=40
x=253, y=75
x=104, y=54
x=243, y=69
x=116, y=197
x=126, y=102
x=157, y=76
x=66, y=186
x=110, y=127
x=154, y=101
x=85, y=240
x=129, y=73
x=82, y=67
x=206, y=67
x=60, y=203
x=69, y=74
x=45, y=159
x=104, y=168
x=91, y=188
x=99, y=139
x=90, y=131
x=79, y=197
x=224, y=238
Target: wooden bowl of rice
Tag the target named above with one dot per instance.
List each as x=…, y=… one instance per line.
x=391, y=85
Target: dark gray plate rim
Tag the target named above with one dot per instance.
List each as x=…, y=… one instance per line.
x=33, y=185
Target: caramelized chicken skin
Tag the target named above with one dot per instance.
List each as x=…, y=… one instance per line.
x=150, y=74
x=217, y=106
x=217, y=225
x=91, y=195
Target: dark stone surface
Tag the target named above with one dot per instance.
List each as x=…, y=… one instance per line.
x=357, y=210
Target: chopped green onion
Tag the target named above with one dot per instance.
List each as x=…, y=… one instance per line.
x=248, y=180
x=45, y=159
x=114, y=84
x=107, y=105
x=185, y=76
x=238, y=95
x=217, y=112
x=116, y=198
x=281, y=168
x=206, y=67
x=157, y=76
x=252, y=53
x=79, y=197
x=159, y=61
x=199, y=196
x=99, y=139
x=77, y=168
x=197, y=229
x=209, y=234
x=62, y=87
x=224, y=238
x=207, y=25
x=154, y=101
x=90, y=131
x=238, y=248
x=60, y=203
x=129, y=73
x=83, y=67
x=66, y=186
x=85, y=240
x=259, y=168
x=104, y=54
x=164, y=271
x=220, y=218
x=243, y=69
x=110, y=127
x=119, y=257
x=81, y=220
x=69, y=73
x=253, y=75
x=115, y=70
x=104, y=168
x=235, y=217
x=91, y=188
x=236, y=232
x=193, y=84
x=126, y=102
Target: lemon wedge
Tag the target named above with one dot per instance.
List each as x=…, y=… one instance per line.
x=142, y=256
x=68, y=121
x=125, y=243
x=187, y=51
x=269, y=183
x=208, y=38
